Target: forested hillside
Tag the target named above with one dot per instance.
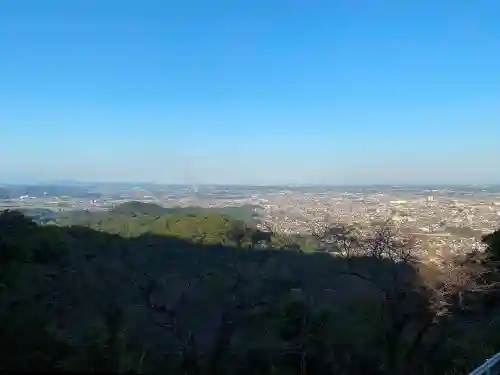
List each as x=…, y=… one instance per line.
x=225, y=226
x=246, y=213
x=208, y=295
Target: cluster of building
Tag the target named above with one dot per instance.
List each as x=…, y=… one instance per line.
x=442, y=225
x=443, y=222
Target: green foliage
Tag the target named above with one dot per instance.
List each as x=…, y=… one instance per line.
x=140, y=208
x=199, y=225
x=27, y=345
x=133, y=292
x=22, y=241
x=493, y=242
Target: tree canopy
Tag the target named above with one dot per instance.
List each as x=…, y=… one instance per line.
x=198, y=225
x=207, y=294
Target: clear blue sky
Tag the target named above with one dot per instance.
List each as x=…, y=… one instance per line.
x=260, y=91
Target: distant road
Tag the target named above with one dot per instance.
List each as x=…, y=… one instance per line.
x=430, y=234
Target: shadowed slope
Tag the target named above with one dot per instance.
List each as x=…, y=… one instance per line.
x=77, y=299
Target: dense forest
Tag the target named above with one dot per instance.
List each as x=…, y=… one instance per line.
x=232, y=226
x=245, y=213
x=133, y=290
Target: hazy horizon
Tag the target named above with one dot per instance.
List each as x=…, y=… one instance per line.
x=138, y=183
x=268, y=92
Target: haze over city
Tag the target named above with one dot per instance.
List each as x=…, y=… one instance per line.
x=261, y=92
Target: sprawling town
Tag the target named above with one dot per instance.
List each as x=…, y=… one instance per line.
x=443, y=224
x=444, y=221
